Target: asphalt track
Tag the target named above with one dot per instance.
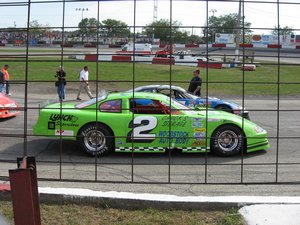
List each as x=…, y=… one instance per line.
x=280, y=164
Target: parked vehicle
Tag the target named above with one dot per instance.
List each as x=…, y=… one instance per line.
x=188, y=99
x=8, y=107
x=136, y=48
x=147, y=122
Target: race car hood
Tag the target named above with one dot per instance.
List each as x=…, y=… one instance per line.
x=250, y=128
x=222, y=101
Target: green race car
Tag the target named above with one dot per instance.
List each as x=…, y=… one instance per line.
x=148, y=122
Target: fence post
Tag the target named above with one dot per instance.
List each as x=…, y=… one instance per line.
x=24, y=192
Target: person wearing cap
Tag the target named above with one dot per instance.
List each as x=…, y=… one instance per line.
x=84, y=83
x=4, y=70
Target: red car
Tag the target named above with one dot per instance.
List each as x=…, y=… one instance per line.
x=8, y=107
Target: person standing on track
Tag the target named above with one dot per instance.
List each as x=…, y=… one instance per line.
x=61, y=83
x=2, y=81
x=195, y=84
x=84, y=83
x=4, y=70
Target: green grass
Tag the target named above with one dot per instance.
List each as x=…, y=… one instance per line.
x=72, y=214
x=266, y=80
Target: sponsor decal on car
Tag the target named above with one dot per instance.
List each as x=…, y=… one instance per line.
x=119, y=142
x=180, y=121
x=51, y=125
x=197, y=124
x=197, y=119
x=199, y=129
x=199, y=135
x=64, y=132
x=199, y=143
x=62, y=117
x=62, y=120
x=213, y=120
x=174, y=137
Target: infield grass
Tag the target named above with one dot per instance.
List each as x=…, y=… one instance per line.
x=76, y=214
x=268, y=79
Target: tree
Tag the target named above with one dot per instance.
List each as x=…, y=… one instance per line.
x=227, y=24
x=88, y=27
x=37, y=29
x=193, y=39
x=165, y=31
x=286, y=30
x=114, y=28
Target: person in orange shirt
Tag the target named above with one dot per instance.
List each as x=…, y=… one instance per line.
x=4, y=70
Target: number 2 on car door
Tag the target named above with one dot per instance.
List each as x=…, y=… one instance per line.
x=141, y=128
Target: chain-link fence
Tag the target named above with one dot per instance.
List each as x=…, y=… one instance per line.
x=81, y=96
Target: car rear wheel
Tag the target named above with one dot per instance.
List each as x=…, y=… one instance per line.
x=96, y=139
x=227, y=140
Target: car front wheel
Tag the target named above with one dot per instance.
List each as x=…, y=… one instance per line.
x=227, y=140
x=96, y=139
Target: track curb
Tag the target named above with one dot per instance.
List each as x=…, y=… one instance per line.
x=128, y=200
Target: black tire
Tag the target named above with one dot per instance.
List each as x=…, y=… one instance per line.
x=227, y=140
x=224, y=108
x=96, y=139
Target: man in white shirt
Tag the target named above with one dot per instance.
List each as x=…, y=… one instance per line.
x=84, y=83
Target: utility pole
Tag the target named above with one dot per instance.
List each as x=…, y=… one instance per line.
x=154, y=17
x=213, y=11
x=82, y=10
x=155, y=10
x=213, y=38
x=238, y=33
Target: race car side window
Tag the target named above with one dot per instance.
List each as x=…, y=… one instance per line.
x=150, y=106
x=146, y=106
x=113, y=106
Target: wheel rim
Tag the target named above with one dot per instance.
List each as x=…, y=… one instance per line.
x=94, y=140
x=228, y=140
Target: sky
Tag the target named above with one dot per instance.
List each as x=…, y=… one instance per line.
x=191, y=14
